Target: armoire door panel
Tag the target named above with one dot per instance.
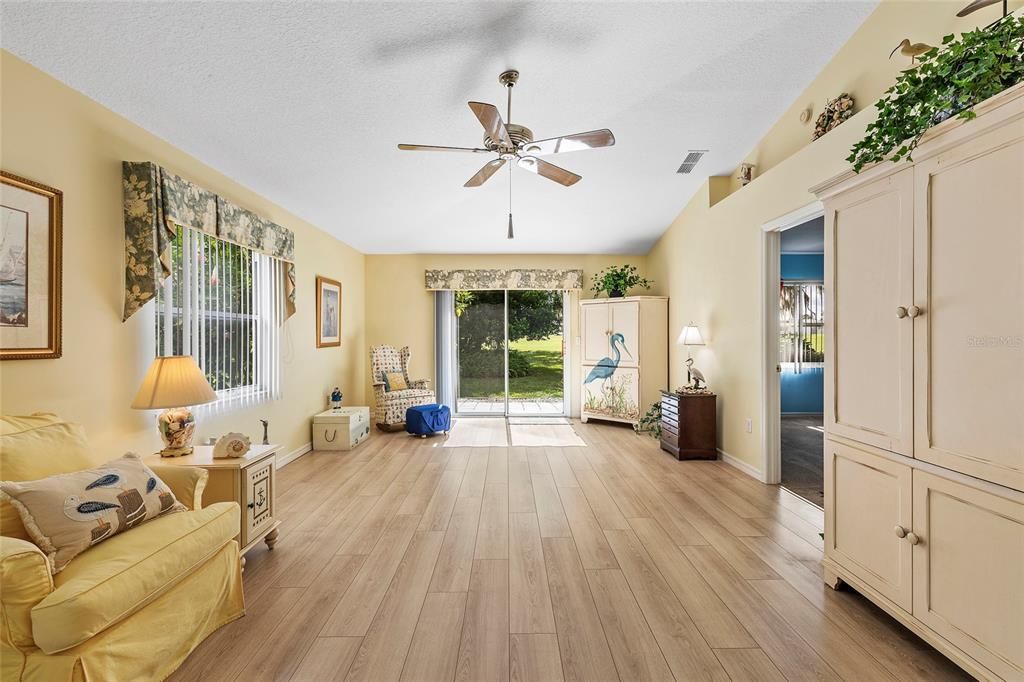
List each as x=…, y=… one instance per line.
x=969, y=253
x=625, y=320
x=596, y=327
x=612, y=393
x=868, y=497
x=969, y=568
x=869, y=270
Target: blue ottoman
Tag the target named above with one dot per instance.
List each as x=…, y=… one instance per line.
x=424, y=420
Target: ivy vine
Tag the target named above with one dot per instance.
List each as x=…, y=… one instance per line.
x=947, y=82
x=650, y=422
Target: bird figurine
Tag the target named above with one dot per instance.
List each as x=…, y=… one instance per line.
x=104, y=481
x=694, y=377
x=606, y=366
x=909, y=49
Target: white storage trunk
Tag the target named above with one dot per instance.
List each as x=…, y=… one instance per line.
x=341, y=429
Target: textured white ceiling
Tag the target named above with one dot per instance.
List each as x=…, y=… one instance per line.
x=305, y=102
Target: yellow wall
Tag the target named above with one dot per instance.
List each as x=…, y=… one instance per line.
x=862, y=67
x=57, y=136
x=401, y=310
x=709, y=260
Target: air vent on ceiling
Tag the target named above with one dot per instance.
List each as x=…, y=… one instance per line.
x=693, y=157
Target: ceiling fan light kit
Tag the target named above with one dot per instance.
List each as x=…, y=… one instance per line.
x=511, y=141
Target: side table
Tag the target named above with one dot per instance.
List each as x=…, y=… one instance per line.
x=249, y=480
x=688, y=428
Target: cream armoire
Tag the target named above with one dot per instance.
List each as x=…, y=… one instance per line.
x=924, y=387
x=624, y=353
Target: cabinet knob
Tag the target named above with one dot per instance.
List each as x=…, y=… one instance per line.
x=901, y=312
x=901, y=532
x=913, y=538
x=914, y=311
x=252, y=505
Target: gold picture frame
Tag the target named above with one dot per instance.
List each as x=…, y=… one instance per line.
x=328, y=312
x=31, y=226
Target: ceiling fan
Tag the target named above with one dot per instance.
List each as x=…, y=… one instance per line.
x=511, y=141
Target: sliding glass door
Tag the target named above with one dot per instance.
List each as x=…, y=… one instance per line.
x=511, y=353
x=480, y=367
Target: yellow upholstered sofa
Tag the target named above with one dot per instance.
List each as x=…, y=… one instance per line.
x=130, y=608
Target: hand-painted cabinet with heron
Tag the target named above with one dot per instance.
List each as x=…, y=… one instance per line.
x=624, y=349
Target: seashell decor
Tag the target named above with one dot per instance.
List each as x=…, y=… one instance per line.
x=231, y=445
x=836, y=112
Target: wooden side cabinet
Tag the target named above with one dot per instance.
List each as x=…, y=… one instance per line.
x=251, y=481
x=688, y=425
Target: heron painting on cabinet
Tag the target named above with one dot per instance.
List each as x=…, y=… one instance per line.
x=616, y=396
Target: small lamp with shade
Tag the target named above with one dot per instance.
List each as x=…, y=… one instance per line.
x=691, y=336
x=174, y=382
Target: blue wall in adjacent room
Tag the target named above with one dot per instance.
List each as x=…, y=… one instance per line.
x=804, y=392
x=803, y=266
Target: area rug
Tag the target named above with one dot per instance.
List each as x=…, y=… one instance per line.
x=477, y=432
x=540, y=435
x=520, y=421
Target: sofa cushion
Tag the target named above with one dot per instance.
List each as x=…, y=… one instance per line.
x=67, y=513
x=35, y=447
x=113, y=580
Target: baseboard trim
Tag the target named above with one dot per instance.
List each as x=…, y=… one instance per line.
x=741, y=465
x=285, y=460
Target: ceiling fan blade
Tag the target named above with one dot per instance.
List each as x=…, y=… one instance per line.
x=490, y=119
x=489, y=169
x=571, y=143
x=432, y=148
x=548, y=170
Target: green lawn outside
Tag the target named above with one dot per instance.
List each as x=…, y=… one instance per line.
x=543, y=381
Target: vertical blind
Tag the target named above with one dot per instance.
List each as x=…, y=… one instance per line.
x=445, y=346
x=801, y=324
x=223, y=305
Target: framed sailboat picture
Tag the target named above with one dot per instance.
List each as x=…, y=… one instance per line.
x=30, y=269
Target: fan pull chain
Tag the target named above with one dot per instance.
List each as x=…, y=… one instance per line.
x=511, y=235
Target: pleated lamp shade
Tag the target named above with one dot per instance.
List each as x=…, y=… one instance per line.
x=173, y=381
x=690, y=336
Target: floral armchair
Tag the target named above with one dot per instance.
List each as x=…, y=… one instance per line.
x=392, y=404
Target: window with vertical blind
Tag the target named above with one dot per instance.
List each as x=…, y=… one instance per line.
x=802, y=324
x=223, y=305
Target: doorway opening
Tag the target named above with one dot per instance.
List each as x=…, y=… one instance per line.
x=794, y=345
x=510, y=353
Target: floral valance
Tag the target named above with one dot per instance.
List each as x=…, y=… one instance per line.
x=245, y=228
x=157, y=202
x=466, y=280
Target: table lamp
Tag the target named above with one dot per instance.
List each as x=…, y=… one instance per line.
x=690, y=336
x=174, y=382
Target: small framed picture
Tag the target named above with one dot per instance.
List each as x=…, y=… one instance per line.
x=328, y=312
x=30, y=269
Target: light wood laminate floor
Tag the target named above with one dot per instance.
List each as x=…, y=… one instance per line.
x=406, y=560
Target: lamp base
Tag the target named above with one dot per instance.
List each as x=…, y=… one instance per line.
x=176, y=452
x=177, y=427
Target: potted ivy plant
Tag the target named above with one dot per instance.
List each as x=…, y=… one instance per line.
x=616, y=281
x=946, y=82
